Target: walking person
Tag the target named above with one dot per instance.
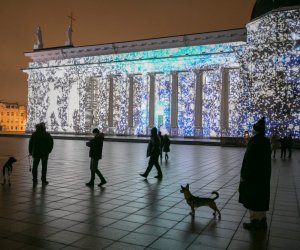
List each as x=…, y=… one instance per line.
x=275, y=143
x=96, y=146
x=254, y=188
x=40, y=146
x=153, y=151
x=289, y=145
x=166, y=146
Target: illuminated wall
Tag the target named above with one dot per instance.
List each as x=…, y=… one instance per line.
x=78, y=94
x=270, y=71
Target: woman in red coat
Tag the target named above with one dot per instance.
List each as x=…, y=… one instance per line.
x=254, y=186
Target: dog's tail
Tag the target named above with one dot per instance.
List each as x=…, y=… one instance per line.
x=216, y=193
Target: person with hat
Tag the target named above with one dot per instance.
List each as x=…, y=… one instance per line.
x=153, y=151
x=254, y=188
x=96, y=146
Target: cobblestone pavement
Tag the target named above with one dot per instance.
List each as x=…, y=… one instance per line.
x=132, y=213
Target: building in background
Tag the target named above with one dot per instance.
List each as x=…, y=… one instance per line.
x=213, y=84
x=12, y=117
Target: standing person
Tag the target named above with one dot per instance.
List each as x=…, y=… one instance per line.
x=275, y=143
x=153, y=151
x=40, y=146
x=283, y=145
x=166, y=146
x=254, y=189
x=96, y=146
x=161, y=139
x=289, y=145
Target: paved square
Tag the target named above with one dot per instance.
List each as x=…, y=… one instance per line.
x=133, y=213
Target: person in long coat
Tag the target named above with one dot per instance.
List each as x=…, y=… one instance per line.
x=254, y=188
x=40, y=146
x=96, y=146
x=153, y=150
x=166, y=146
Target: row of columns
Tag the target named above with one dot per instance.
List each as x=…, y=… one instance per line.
x=199, y=76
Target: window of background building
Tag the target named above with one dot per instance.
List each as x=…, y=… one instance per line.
x=12, y=113
x=8, y=113
x=11, y=127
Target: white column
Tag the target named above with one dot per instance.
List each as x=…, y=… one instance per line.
x=199, y=102
x=174, y=103
x=225, y=101
x=151, y=99
x=111, y=102
x=130, y=102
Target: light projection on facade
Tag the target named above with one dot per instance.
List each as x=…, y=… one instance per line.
x=211, y=90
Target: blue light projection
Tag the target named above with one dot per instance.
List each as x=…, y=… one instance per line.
x=186, y=103
x=72, y=95
x=212, y=104
x=270, y=72
x=162, y=101
x=140, y=105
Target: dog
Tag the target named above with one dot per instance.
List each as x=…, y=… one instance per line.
x=195, y=202
x=7, y=170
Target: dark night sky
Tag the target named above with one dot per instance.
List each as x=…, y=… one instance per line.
x=102, y=21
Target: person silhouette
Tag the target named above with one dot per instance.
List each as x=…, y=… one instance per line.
x=153, y=150
x=289, y=145
x=95, y=153
x=254, y=188
x=166, y=146
x=40, y=146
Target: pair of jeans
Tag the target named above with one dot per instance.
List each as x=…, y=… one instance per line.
x=35, y=165
x=94, y=170
x=153, y=161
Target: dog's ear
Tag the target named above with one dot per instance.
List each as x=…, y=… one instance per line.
x=187, y=186
x=181, y=187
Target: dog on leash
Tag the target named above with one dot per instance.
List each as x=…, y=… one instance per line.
x=7, y=170
x=195, y=202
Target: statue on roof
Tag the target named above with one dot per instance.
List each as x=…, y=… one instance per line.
x=69, y=36
x=69, y=32
x=38, y=39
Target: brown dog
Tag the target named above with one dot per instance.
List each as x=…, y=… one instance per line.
x=195, y=202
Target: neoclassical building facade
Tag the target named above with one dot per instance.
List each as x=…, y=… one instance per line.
x=208, y=85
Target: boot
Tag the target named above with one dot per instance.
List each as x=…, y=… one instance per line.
x=263, y=224
x=253, y=225
x=90, y=184
x=256, y=225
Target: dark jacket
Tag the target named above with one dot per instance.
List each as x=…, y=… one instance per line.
x=166, y=144
x=40, y=144
x=96, y=146
x=254, y=187
x=153, y=146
